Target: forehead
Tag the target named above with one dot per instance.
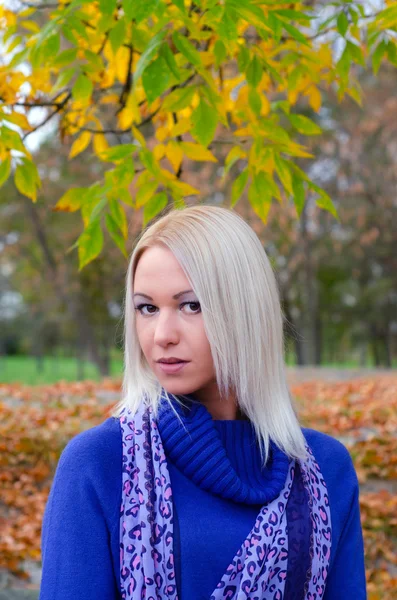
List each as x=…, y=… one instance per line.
x=158, y=264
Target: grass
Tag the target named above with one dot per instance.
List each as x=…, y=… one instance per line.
x=25, y=369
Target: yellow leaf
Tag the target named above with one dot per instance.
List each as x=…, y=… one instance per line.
x=174, y=153
x=161, y=133
x=355, y=94
x=122, y=61
x=30, y=25
x=265, y=110
x=18, y=119
x=80, y=144
x=145, y=192
x=110, y=99
x=138, y=136
x=314, y=98
x=197, y=152
x=130, y=114
x=296, y=150
x=159, y=151
x=180, y=187
x=183, y=126
x=99, y=144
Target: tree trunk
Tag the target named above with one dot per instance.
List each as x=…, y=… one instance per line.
x=61, y=288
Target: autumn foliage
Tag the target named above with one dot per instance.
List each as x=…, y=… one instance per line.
x=148, y=86
x=37, y=422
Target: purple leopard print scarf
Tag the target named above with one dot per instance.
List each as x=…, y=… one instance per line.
x=268, y=565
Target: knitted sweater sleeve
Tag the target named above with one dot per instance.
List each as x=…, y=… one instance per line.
x=81, y=521
x=346, y=576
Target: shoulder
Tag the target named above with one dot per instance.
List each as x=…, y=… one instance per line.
x=89, y=471
x=92, y=459
x=332, y=457
x=100, y=444
x=337, y=468
x=326, y=447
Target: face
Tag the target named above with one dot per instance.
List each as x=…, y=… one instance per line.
x=170, y=324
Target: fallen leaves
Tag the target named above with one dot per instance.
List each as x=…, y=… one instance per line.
x=362, y=414
x=37, y=422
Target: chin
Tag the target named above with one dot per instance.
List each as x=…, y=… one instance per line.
x=178, y=388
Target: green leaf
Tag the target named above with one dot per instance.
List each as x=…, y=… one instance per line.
x=90, y=243
x=63, y=79
x=138, y=11
x=298, y=189
x=243, y=58
x=227, y=26
x=107, y=6
x=220, y=53
x=123, y=173
x=343, y=64
x=149, y=53
x=295, y=15
x=115, y=234
x=186, y=48
x=11, y=139
x=259, y=195
x=233, y=156
x=378, y=55
x=179, y=99
x=5, y=169
x=181, y=5
x=118, y=214
x=284, y=173
x=145, y=192
x=166, y=53
x=117, y=34
x=204, y=121
x=71, y=200
x=82, y=88
x=304, y=125
x=65, y=58
x=116, y=153
x=27, y=179
x=155, y=79
x=296, y=34
x=254, y=72
x=154, y=206
x=342, y=23
x=255, y=101
x=356, y=53
x=392, y=52
x=238, y=187
x=325, y=202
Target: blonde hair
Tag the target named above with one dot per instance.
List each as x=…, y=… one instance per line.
x=233, y=280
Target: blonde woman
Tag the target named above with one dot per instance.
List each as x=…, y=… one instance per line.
x=203, y=485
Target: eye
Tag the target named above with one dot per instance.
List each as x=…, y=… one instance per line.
x=140, y=308
x=197, y=304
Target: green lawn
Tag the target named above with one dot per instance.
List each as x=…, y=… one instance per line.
x=24, y=369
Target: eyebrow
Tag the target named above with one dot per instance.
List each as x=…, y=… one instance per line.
x=178, y=295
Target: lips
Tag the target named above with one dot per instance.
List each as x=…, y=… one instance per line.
x=172, y=367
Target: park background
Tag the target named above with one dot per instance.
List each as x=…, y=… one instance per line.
x=61, y=327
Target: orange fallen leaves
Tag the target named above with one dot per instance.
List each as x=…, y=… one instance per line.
x=362, y=414
x=37, y=422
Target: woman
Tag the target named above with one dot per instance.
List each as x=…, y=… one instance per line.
x=203, y=484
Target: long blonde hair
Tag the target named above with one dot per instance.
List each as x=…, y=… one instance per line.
x=231, y=275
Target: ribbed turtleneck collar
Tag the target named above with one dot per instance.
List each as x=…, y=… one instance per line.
x=221, y=456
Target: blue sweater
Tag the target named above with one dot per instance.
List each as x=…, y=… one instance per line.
x=218, y=489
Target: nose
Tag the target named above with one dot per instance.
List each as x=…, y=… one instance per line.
x=166, y=329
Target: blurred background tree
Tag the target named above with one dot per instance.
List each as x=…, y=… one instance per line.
x=233, y=103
